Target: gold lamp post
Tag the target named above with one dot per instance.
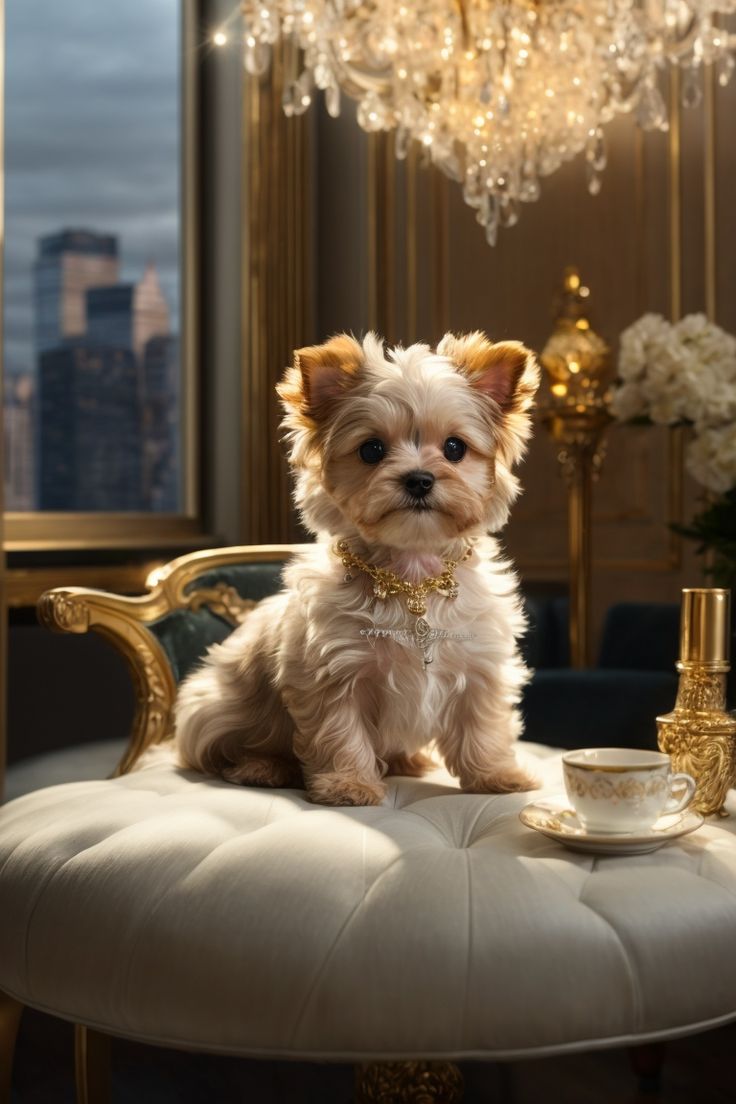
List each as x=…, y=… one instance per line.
x=576, y=416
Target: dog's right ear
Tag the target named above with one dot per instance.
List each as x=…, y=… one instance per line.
x=320, y=376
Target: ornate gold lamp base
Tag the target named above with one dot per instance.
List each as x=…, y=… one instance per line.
x=408, y=1083
x=699, y=735
x=575, y=413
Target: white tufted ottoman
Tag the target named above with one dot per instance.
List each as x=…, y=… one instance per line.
x=178, y=910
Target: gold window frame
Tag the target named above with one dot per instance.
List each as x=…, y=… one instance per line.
x=45, y=531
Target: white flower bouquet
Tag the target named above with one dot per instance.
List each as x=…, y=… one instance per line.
x=684, y=373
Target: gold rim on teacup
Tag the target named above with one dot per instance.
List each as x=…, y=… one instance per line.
x=653, y=760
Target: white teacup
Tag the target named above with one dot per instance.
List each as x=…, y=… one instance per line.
x=623, y=789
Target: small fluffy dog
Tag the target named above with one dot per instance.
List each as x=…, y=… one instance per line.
x=398, y=628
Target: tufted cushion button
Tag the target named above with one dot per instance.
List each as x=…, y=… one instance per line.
x=185, y=911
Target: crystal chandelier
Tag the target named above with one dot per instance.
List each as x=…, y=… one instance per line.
x=498, y=93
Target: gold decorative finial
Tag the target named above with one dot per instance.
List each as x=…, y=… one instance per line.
x=575, y=356
x=699, y=735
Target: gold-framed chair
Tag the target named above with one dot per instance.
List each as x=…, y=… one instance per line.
x=218, y=587
x=127, y=623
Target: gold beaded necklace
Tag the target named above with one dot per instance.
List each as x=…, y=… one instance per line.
x=387, y=583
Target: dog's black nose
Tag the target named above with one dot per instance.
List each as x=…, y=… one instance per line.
x=419, y=483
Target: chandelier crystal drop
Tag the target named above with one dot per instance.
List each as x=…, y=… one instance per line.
x=498, y=93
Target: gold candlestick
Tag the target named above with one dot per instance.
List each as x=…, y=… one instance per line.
x=699, y=735
x=576, y=415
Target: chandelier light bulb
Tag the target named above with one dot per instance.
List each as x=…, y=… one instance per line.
x=498, y=95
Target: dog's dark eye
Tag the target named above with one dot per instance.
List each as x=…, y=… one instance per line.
x=454, y=449
x=372, y=451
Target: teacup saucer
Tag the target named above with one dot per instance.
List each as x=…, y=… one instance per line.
x=555, y=818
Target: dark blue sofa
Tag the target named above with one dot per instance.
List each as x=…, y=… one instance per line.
x=614, y=703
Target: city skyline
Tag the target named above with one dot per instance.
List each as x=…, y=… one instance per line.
x=93, y=424
x=92, y=140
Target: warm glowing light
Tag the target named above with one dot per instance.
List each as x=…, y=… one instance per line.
x=219, y=38
x=559, y=389
x=573, y=366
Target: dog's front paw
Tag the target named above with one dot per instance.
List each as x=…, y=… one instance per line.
x=264, y=771
x=511, y=778
x=344, y=789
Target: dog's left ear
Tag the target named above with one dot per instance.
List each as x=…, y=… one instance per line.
x=506, y=373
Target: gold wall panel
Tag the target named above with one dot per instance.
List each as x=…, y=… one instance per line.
x=723, y=253
x=692, y=173
x=341, y=225
x=278, y=290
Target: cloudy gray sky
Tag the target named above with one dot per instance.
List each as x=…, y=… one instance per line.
x=92, y=139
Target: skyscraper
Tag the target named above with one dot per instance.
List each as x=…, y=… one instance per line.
x=69, y=263
x=150, y=310
x=90, y=428
x=128, y=315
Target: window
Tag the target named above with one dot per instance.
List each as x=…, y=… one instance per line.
x=96, y=377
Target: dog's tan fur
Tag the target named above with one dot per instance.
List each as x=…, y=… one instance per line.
x=297, y=692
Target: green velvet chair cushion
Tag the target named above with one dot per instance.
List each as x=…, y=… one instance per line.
x=187, y=634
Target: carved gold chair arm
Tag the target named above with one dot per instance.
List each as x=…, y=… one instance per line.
x=173, y=578
x=125, y=621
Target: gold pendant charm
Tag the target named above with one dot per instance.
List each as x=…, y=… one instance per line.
x=417, y=604
x=380, y=590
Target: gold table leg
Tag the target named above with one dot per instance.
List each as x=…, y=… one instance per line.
x=10, y=1013
x=408, y=1083
x=92, y=1064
